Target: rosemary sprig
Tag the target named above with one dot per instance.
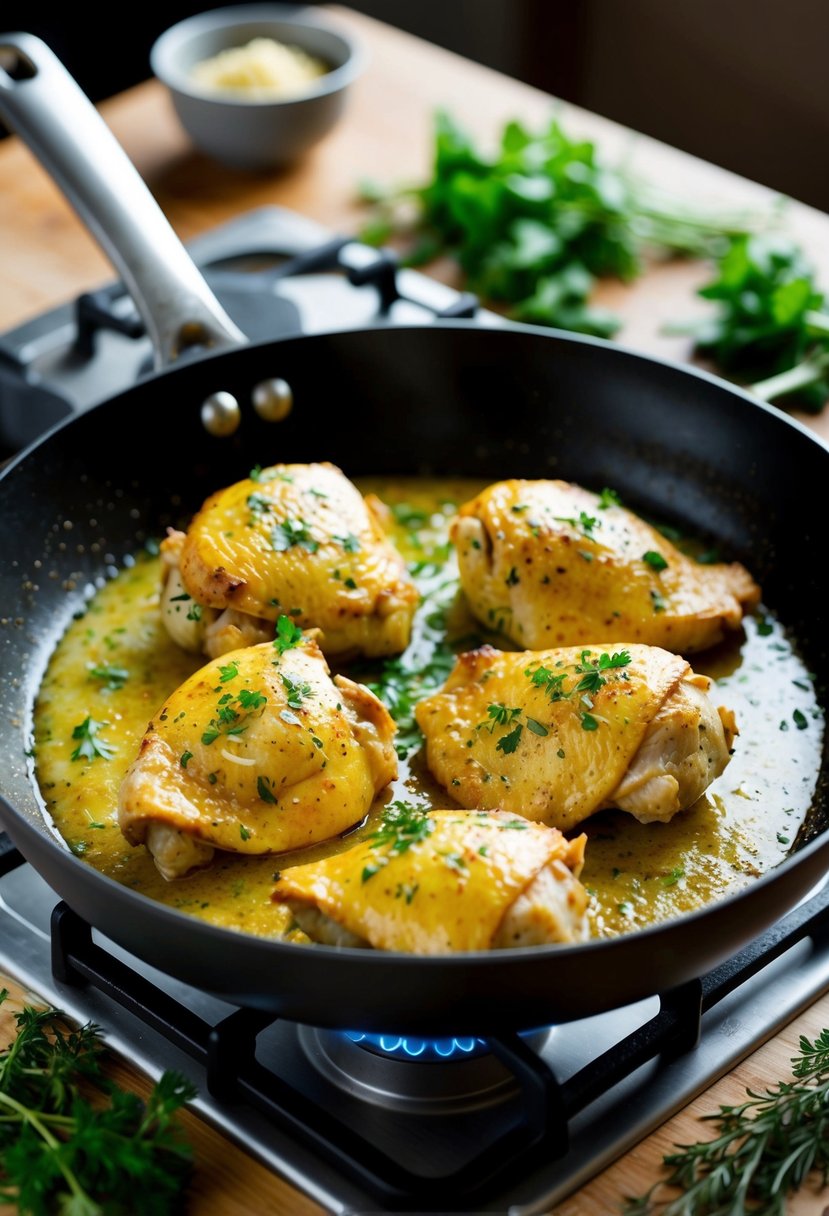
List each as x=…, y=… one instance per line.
x=764, y=1149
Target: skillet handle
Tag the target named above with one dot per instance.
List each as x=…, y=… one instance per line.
x=43, y=104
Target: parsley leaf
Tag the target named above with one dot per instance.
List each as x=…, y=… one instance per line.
x=288, y=635
x=291, y=532
x=90, y=744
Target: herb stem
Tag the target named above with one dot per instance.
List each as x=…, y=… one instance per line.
x=25, y=1114
x=801, y=376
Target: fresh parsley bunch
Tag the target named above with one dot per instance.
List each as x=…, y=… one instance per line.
x=769, y=326
x=764, y=1149
x=534, y=225
x=61, y=1152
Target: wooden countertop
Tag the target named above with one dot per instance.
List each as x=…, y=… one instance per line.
x=48, y=257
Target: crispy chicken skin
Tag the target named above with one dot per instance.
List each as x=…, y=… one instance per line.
x=558, y=734
x=256, y=753
x=466, y=881
x=548, y=564
x=299, y=540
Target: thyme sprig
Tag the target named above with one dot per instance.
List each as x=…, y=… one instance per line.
x=764, y=1149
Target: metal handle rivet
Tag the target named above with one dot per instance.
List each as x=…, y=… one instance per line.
x=273, y=400
x=220, y=414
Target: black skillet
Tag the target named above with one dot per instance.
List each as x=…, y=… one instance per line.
x=448, y=399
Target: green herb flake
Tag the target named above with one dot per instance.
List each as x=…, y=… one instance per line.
x=800, y=720
x=244, y=832
x=297, y=691
x=670, y=880
x=350, y=543
x=185, y=758
x=509, y=742
x=112, y=678
x=537, y=728
x=290, y=533
x=288, y=635
x=89, y=742
x=228, y=672
x=588, y=722
x=655, y=560
x=263, y=788
x=608, y=498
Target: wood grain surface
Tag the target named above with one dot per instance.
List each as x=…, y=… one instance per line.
x=48, y=258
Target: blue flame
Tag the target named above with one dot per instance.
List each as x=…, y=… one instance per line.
x=399, y=1047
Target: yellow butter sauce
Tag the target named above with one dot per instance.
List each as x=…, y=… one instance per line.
x=116, y=665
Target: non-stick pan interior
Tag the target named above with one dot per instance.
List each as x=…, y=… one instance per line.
x=450, y=399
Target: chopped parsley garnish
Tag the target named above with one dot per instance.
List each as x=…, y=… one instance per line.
x=350, y=583
x=288, y=635
x=228, y=672
x=800, y=720
x=670, y=880
x=194, y=612
x=512, y=579
x=655, y=560
x=232, y=713
x=185, y=759
x=290, y=533
x=261, y=475
x=590, y=681
x=112, y=678
x=258, y=505
x=244, y=832
x=297, y=691
x=536, y=727
x=509, y=742
x=608, y=498
x=349, y=542
x=657, y=601
x=263, y=785
x=499, y=715
x=90, y=744
x=584, y=524
x=400, y=827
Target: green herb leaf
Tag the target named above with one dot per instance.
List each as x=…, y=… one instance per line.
x=291, y=532
x=112, y=678
x=508, y=743
x=762, y=1151
x=288, y=635
x=90, y=744
x=655, y=560
x=263, y=788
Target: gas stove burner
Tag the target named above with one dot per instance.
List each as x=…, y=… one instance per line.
x=399, y=1047
x=410, y=1073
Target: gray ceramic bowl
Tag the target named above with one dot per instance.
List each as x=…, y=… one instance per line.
x=255, y=134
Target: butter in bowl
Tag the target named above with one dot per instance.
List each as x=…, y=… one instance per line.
x=255, y=86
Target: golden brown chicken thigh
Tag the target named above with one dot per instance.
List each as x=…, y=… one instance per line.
x=441, y=881
x=549, y=564
x=296, y=539
x=258, y=752
x=555, y=735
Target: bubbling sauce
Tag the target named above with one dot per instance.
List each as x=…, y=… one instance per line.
x=116, y=664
